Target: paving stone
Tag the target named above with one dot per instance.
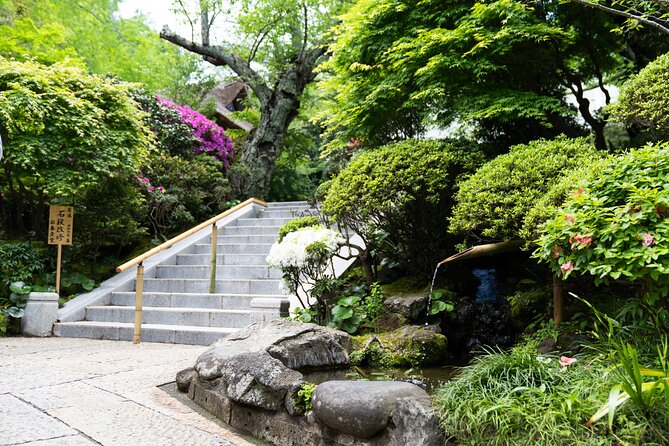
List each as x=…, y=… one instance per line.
x=20, y=422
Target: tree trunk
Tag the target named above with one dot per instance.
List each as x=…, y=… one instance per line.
x=558, y=298
x=279, y=104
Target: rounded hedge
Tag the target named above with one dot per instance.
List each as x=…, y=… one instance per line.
x=405, y=191
x=616, y=226
x=644, y=99
x=494, y=202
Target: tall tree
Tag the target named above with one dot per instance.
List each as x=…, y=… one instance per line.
x=503, y=67
x=274, y=48
x=90, y=33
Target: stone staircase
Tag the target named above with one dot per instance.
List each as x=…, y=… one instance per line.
x=177, y=305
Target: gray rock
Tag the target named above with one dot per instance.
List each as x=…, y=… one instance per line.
x=416, y=424
x=184, y=378
x=361, y=408
x=258, y=380
x=299, y=346
x=412, y=307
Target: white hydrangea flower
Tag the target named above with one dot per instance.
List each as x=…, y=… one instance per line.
x=292, y=250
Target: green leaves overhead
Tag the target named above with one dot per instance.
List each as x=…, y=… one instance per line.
x=399, y=65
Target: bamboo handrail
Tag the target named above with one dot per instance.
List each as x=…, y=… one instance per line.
x=140, y=258
x=139, y=285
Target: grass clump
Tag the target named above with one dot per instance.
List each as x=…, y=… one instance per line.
x=523, y=398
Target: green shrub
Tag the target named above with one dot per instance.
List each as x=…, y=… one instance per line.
x=19, y=262
x=644, y=99
x=294, y=225
x=398, y=197
x=616, y=225
x=183, y=192
x=494, y=202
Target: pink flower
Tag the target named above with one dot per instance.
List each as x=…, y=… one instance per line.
x=647, y=239
x=569, y=218
x=151, y=188
x=145, y=180
x=581, y=239
x=557, y=251
x=567, y=267
x=579, y=192
x=566, y=361
x=161, y=189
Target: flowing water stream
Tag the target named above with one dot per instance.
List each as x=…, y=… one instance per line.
x=429, y=296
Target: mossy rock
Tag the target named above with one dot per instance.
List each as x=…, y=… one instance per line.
x=388, y=322
x=406, y=347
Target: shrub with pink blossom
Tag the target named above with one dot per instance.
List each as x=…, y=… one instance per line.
x=617, y=225
x=211, y=137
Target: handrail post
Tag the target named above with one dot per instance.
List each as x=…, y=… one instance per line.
x=139, y=288
x=212, y=261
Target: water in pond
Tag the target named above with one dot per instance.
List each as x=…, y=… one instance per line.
x=429, y=378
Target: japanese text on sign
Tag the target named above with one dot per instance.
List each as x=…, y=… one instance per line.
x=60, y=225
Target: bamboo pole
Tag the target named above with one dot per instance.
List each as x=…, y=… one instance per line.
x=140, y=258
x=483, y=250
x=212, y=261
x=139, y=288
x=59, y=260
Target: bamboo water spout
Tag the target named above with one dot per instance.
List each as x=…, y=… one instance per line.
x=484, y=250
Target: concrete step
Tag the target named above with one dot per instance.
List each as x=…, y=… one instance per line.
x=290, y=214
x=223, y=259
x=233, y=248
x=223, y=286
x=269, y=221
x=192, y=300
x=251, y=230
x=222, y=272
x=199, y=317
x=248, y=239
x=171, y=334
x=285, y=204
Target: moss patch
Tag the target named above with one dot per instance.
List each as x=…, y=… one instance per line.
x=409, y=346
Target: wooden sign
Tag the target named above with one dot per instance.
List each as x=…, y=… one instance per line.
x=60, y=225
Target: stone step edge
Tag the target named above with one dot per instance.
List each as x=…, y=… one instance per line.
x=130, y=326
x=213, y=295
x=169, y=309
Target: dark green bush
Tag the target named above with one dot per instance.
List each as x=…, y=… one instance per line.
x=183, y=192
x=19, y=262
x=494, y=202
x=644, y=100
x=398, y=197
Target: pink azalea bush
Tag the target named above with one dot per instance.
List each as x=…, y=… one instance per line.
x=616, y=226
x=212, y=137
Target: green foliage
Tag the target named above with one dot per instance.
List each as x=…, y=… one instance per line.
x=616, y=227
x=499, y=67
x=403, y=192
x=91, y=33
x=15, y=305
x=65, y=131
x=374, y=302
x=644, y=100
x=345, y=315
x=441, y=301
x=304, y=394
x=19, y=262
x=299, y=223
x=494, y=202
x=181, y=192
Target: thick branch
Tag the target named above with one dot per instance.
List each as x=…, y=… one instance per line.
x=218, y=55
x=625, y=14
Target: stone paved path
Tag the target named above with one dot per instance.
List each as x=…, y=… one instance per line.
x=76, y=392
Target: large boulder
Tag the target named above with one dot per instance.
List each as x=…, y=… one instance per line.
x=413, y=307
x=258, y=380
x=408, y=346
x=365, y=408
x=297, y=345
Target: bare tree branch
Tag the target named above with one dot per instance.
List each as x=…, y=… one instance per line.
x=639, y=18
x=218, y=55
